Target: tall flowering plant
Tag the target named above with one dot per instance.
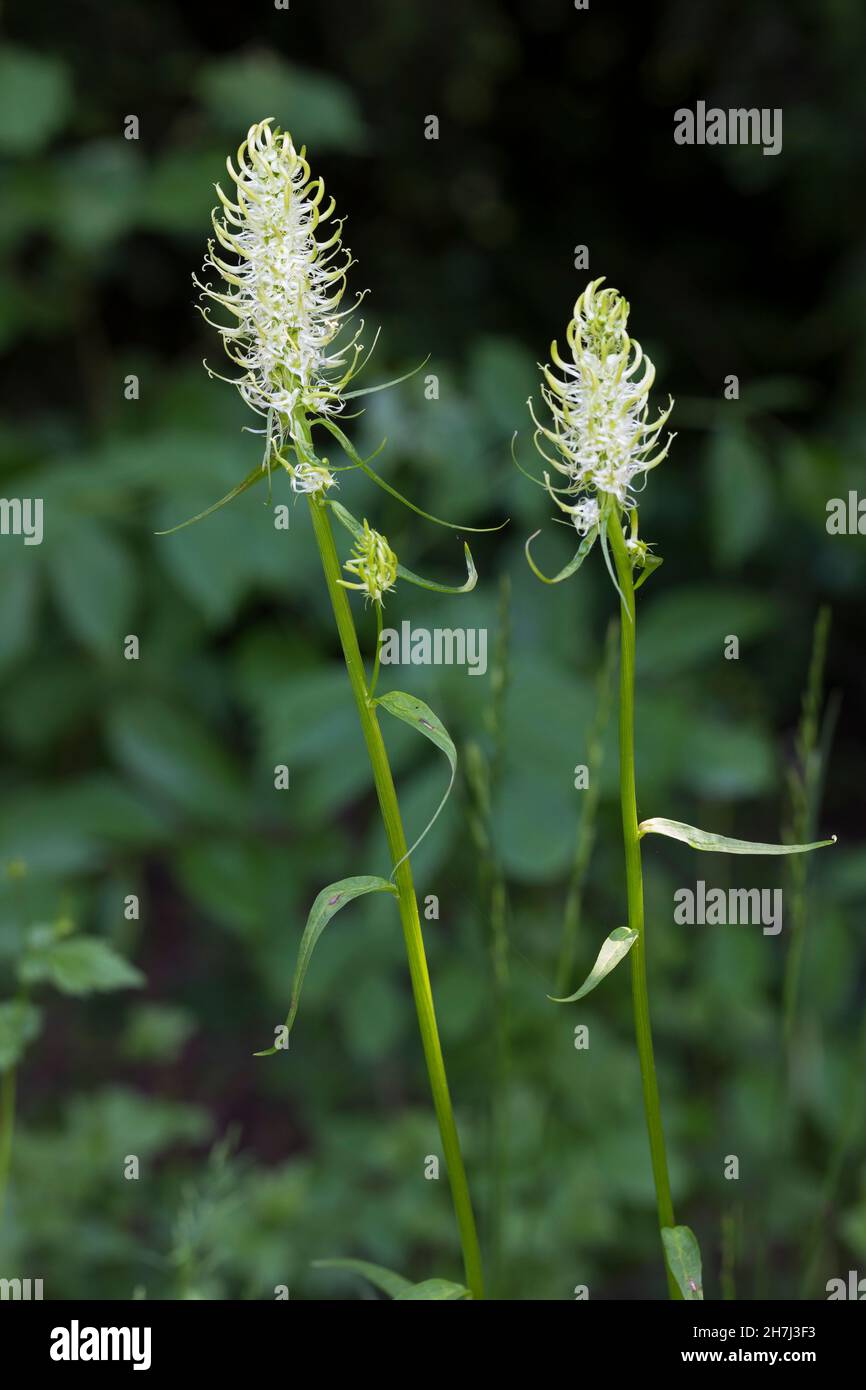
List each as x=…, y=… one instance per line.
x=600, y=437
x=282, y=277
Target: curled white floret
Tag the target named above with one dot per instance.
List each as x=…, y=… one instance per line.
x=600, y=436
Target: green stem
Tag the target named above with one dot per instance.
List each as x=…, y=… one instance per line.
x=409, y=916
x=634, y=882
x=7, y=1130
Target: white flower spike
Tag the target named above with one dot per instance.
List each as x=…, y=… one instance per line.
x=602, y=441
x=282, y=292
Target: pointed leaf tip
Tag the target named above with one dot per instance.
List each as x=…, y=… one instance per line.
x=720, y=844
x=326, y=905
x=614, y=949
x=683, y=1255
x=414, y=712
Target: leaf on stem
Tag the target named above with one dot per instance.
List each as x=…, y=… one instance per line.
x=614, y=949
x=252, y=478
x=421, y=717
x=394, y=1285
x=354, y=527
x=684, y=1260
x=327, y=904
x=574, y=563
x=439, y=1290
x=352, y=453
x=704, y=839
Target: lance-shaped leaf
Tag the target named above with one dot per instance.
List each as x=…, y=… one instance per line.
x=614, y=949
x=327, y=904
x=352, y=453
x=385, y=1279
x=421, y=717
x=355, y=529
x=394, y=1285
x=684, y=1260
x=254, y=477
x=574, y=563
x=721, y=844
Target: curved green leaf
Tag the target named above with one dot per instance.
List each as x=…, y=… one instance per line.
x=614, y=949
x=394, y=1285
x=385, y=1279
x=574, y=563
x=327, y=904
x=252, y=478
x=704, y=839
x=352, y=453
x=355, y=529
x=421, y=717
x=684, y=1260
x=438, y=1289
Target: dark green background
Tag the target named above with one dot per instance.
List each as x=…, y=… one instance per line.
x=156, y=777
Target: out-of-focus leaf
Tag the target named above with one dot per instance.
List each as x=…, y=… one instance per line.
x=319, y=111
x=19, y=571
x=35, y=96
x=385, y=1279
x=99, y=193
x=156, y=1032
x=94, y=584
x=680, y=630
x=19, y=1025
x=395, y=1285
x=741, y=495
x=77, y=965
x=171, y=752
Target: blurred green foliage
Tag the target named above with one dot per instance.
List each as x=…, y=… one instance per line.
x=155, y=776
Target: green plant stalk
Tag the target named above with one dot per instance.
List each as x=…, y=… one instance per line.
x=634, y=885
x=585, y=838
x=409, y=915
x=7, y=1130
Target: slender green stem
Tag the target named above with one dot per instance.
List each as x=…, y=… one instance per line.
x=7, y=1130
x=375, y=678
x=409, y=915
x=585, y=838
x=634, y=882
